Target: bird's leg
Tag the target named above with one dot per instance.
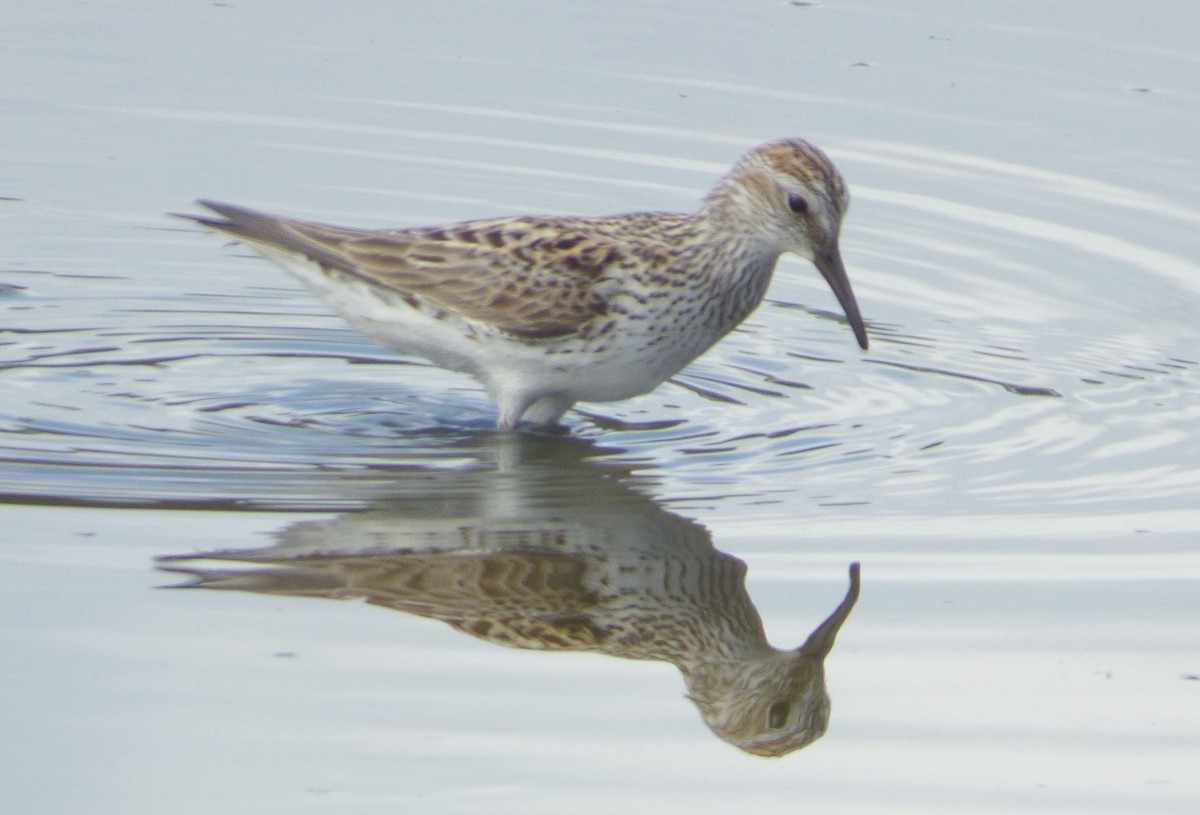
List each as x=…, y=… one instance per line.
x=546, y=411
x=542, y=411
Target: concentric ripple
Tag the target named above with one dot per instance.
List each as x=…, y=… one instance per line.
x=1018, y=358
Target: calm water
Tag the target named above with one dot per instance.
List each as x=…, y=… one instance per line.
x=1014, y=462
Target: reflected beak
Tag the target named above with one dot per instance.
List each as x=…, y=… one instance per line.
x=820, y=642
x=830, y=266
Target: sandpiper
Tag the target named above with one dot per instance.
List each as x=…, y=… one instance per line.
x=549, y=311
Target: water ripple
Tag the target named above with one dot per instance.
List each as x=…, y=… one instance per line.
x=1016, y=359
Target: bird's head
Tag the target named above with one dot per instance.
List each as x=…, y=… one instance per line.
x=789, y=194
x=776, y=701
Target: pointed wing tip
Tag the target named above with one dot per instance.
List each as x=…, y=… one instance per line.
x=232, y=212
x=228, y=211
x=245, y=224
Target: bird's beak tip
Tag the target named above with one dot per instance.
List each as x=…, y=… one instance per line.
x=831, y=268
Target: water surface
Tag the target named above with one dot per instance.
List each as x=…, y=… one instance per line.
x=1013, y=462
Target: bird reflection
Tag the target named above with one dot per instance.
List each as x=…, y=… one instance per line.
x=559, y=555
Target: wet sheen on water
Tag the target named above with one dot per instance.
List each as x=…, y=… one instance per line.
x=983, y=368
x=1013, y=462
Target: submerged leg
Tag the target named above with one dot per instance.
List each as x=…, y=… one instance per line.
x=540, y=411
x=547, y=410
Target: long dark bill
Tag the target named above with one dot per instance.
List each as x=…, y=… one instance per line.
x=831, y=268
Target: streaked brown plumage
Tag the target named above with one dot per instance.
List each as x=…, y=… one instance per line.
x=547, y=311
x=620, y=577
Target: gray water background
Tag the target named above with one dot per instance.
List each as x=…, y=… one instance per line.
x=1015, y=461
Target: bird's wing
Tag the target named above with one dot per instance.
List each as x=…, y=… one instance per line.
x=534, y=278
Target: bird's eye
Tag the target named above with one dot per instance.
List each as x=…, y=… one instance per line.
x=777, y=715
x=797, y=203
